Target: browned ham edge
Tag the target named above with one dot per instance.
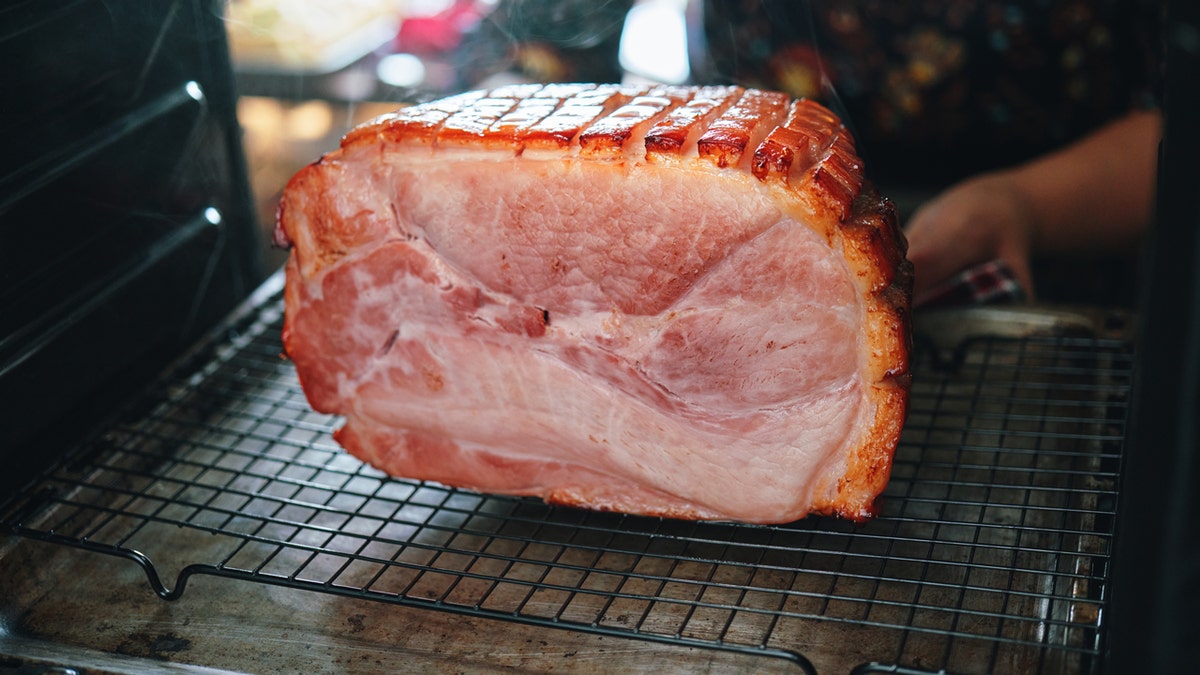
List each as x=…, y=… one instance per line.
x=672, y=301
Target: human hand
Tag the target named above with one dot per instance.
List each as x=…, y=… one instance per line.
x=978, y=220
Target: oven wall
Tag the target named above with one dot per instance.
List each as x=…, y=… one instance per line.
x=1156, y=561
x=126, y=225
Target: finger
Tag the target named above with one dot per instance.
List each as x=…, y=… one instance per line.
x=1022, y=272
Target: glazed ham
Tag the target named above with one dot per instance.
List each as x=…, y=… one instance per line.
x=669, y=301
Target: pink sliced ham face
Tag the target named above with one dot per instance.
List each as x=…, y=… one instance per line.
x=558, y=291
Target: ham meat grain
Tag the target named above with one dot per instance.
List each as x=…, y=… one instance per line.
x=671, y=301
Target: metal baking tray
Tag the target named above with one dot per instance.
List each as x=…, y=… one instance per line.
x=990, y=553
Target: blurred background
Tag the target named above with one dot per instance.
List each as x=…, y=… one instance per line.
x=309, y=70
x=933, y=92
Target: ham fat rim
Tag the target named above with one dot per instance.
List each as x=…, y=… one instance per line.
x=671, y=301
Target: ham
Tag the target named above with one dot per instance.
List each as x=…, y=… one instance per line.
x=670, y=301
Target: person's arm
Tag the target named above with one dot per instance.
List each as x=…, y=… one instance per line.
x=1093, y=196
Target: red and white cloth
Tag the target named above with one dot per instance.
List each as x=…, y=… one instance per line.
x=988, y=283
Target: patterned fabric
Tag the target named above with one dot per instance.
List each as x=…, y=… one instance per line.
x=943, y=88
x=987, y=284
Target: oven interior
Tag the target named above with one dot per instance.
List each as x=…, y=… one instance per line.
x=170, y=498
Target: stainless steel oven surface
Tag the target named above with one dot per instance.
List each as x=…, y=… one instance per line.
x=171, y=503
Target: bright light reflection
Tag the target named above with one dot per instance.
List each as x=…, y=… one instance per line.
x=401, y=70
x=309, y=121
x=654, y=42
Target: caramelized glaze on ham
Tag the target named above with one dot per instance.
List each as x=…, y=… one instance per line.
x=673, y=301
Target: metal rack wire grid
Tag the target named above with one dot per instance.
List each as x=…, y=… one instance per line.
x=989, y=554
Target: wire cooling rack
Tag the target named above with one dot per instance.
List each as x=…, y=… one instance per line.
x=990, y=553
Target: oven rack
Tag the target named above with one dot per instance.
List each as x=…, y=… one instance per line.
x=990, y=553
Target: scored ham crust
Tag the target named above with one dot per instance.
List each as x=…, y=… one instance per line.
x=671, y=301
